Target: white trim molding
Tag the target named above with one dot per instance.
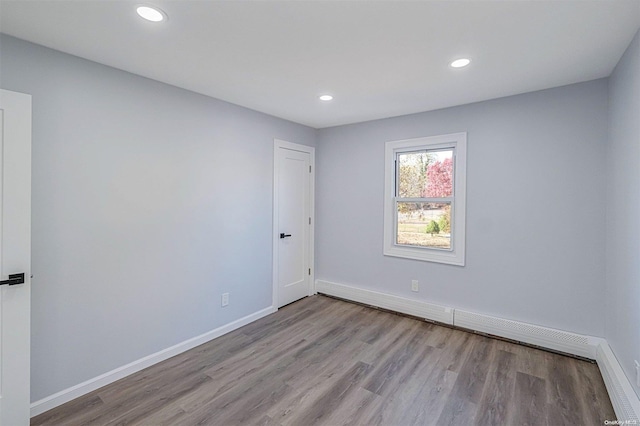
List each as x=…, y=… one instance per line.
x=623, y=398
x=549, y=338
x=416, y=308
x=90, y=385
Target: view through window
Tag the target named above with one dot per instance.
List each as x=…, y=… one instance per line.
x=424, y=198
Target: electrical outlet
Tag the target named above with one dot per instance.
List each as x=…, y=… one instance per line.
x=637, y=373
x=414, y=285
x=225, y=299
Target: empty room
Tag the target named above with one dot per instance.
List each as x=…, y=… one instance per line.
x=319, y=212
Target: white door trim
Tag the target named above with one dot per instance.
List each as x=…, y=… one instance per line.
x=280, y=144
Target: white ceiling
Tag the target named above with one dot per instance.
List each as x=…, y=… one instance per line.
x=378, y=58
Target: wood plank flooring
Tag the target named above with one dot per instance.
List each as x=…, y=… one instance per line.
x=322, y=361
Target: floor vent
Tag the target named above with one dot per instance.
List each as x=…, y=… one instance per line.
x=624, y=400
x=528, y=333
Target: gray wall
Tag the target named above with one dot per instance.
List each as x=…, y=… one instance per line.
x=623, y=212
x=535, y=213
x=149, y=201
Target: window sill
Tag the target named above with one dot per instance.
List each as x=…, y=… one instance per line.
x=426, y=255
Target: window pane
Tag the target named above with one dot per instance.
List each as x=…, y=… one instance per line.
x=425, y=174
x=424, y=225
x=440, y=175
x=412, y=174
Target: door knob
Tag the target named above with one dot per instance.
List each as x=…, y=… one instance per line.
x=283, y=235
x=14, y=279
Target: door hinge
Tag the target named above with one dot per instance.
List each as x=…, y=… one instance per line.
x=309, y=221
x=309, y=271
x=309, y=169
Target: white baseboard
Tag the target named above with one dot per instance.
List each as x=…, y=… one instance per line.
x=550, y=338
x=90, y=385
x=623, y=398
x=558, y=340
x=416, y=308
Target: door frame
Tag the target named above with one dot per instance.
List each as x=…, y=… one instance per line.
x=280, y=144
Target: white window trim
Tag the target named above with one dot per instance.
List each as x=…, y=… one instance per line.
x=456, y=256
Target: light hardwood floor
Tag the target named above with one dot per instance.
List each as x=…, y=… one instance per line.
x=329, y=362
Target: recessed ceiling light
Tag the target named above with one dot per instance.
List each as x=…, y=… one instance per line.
x=459, y=63
x=325, y=97
x=151, y=13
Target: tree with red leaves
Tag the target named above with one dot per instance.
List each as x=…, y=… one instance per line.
x=439, y=179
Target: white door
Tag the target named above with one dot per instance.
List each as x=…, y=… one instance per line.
x=292, y=222
x=15, y=257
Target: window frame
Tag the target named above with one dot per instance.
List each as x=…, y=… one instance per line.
x=454, y=255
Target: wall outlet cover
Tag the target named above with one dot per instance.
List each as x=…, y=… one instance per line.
x=414, y=285
x=225, y=299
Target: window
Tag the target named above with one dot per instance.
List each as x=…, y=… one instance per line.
x=424, y=204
